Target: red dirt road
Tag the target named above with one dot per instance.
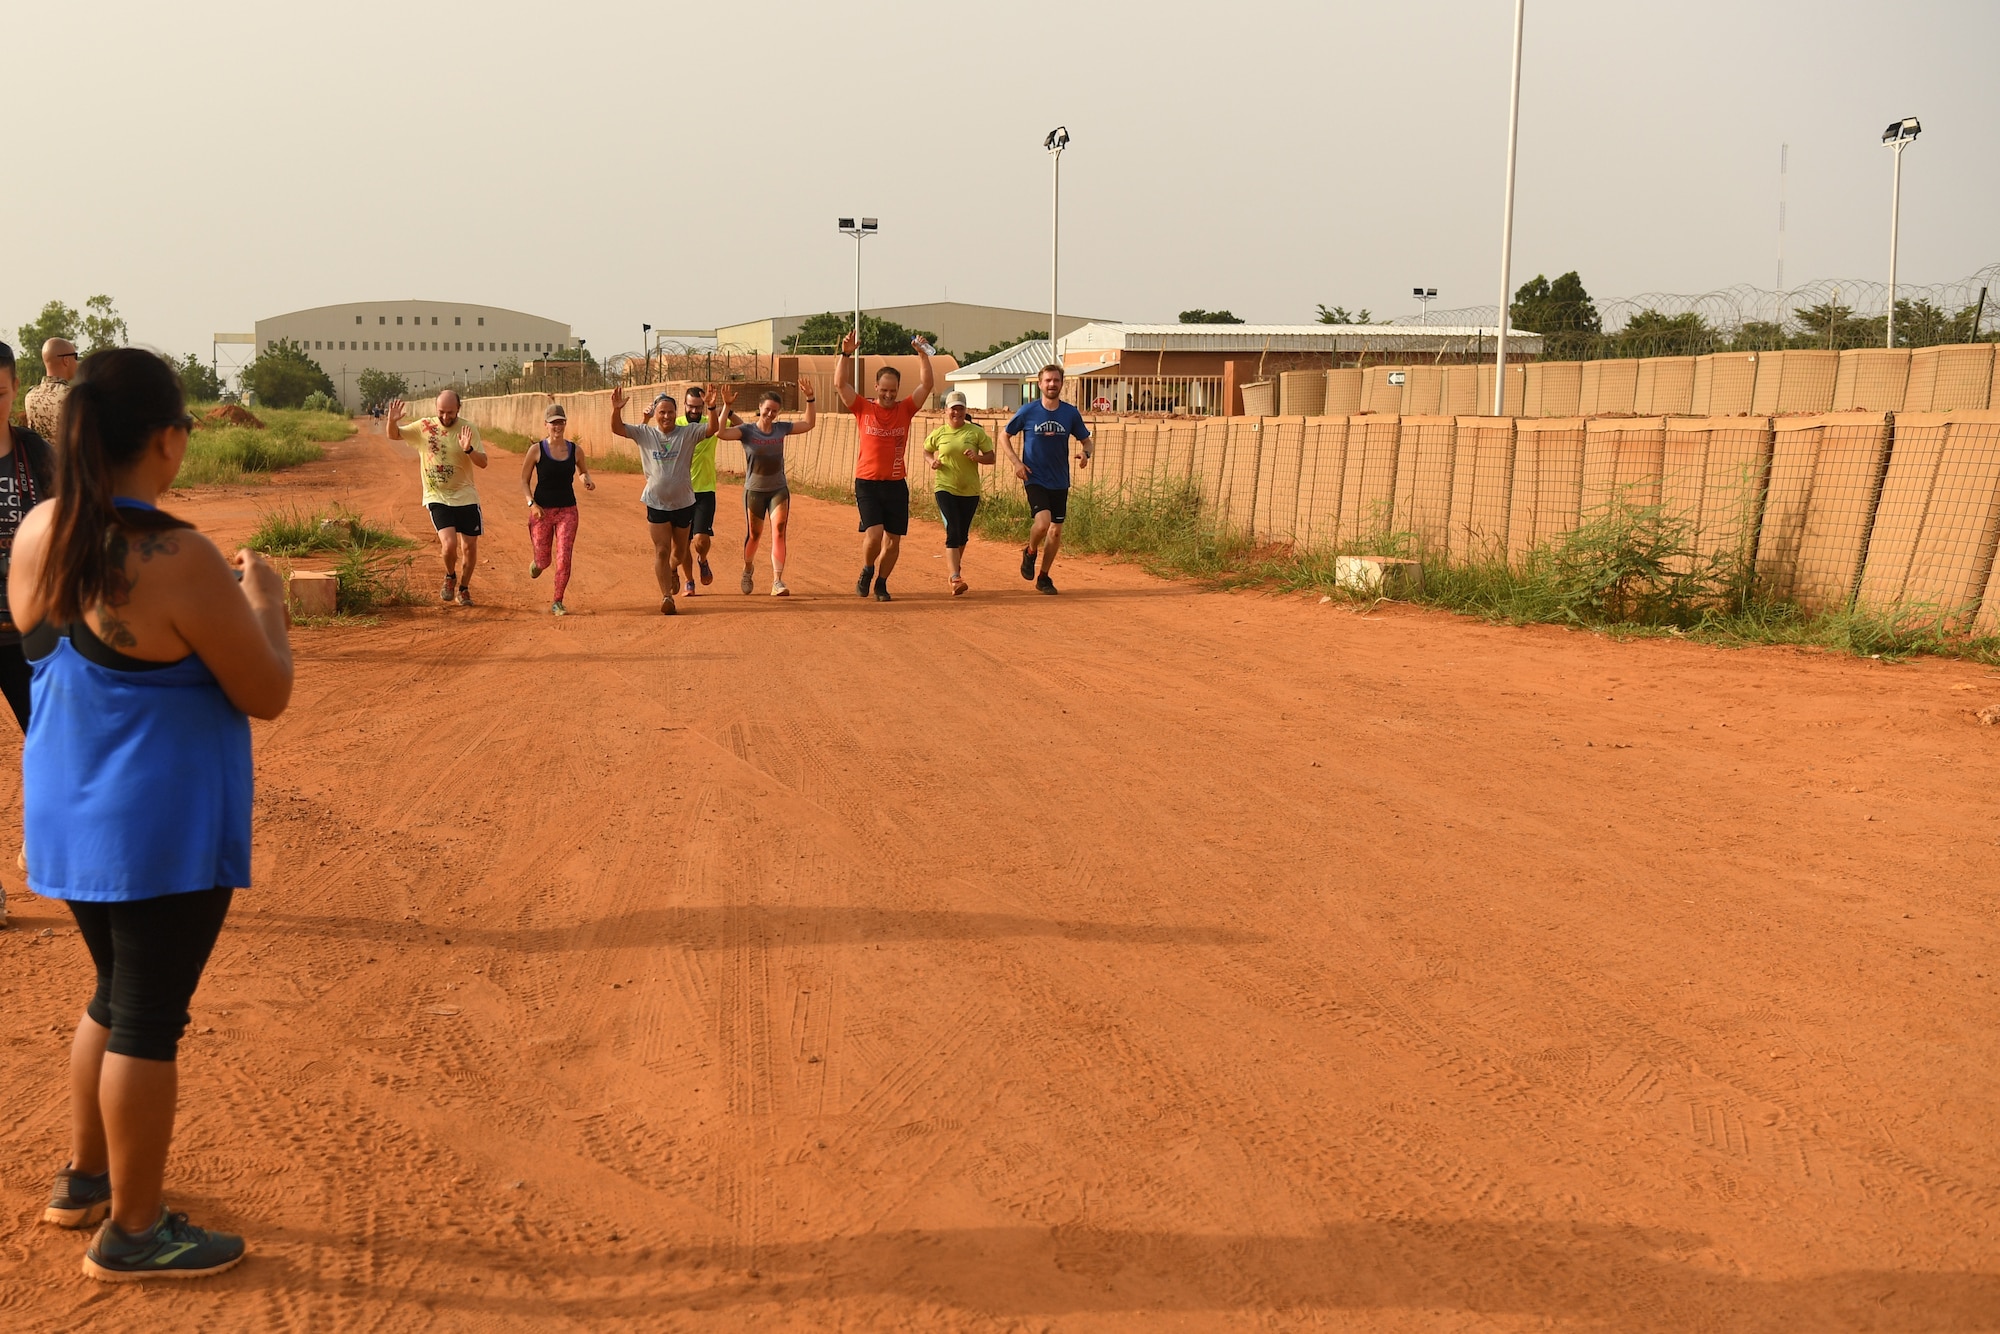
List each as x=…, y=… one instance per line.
x=1140, y=958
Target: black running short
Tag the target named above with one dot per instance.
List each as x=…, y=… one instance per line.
x=1054, y=499
x=704, y=512
x=957, y=512
x=883, y=504
x=680, y=518
x=149, y=954
x=463, y=518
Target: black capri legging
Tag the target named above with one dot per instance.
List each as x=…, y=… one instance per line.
x=957, y=512
x=149, y=955
x=15, y=674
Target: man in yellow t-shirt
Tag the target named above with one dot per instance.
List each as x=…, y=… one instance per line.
x=448, y=449
x=956, y=450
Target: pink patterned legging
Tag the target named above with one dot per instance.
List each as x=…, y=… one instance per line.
x=556, y=527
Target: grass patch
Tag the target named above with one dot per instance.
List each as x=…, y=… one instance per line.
x=230, y=454
x=1629, y=571
x=611, y=462
x=370, y=568
x=511, y=441
x=297, y=532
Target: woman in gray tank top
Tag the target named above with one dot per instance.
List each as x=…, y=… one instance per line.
x=764, y=489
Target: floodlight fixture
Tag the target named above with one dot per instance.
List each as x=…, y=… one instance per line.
x=865, y=228
x=1901, y=132
x=1898, y=136
x=1055, y=142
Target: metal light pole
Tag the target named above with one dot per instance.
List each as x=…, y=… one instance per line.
x=1898, y=136
x=1056, y=142
x=1425, y=295
x=1507, y=220
x=860, y=231
x=581, y=364
x=646, y=346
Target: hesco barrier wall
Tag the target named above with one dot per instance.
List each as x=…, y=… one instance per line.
x=1879, y=510
x=1722, y=384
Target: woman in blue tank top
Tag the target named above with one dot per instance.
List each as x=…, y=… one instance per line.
x=149, y=649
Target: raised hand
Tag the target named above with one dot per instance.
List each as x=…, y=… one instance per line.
x=848, y=342
x=617, y=399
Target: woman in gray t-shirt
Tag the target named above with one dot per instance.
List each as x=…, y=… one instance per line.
x=764, y=490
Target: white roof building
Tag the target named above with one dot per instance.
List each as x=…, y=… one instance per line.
x=1001, y=380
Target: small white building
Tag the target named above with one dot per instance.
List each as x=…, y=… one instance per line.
x=1004, y=380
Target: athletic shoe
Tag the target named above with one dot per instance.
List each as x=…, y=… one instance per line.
x=958, y=587
x=1044, y=584
x=707, y=575
x=882, y=591
x=778, y=590
x=534, y=570
x=464, y=595
x=171, y=1248
x=749, y=584
x=1027, y=562
x=667, y=605
x=689, y=591
x=867, y=578
x=450, y=589
x=80, y=1199
x=557, y=609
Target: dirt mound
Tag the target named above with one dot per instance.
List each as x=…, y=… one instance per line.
x=231, y=414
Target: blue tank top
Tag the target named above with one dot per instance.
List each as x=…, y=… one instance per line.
x=135, y=776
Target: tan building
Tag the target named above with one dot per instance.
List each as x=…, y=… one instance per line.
x=430, y=343
x=959, y=327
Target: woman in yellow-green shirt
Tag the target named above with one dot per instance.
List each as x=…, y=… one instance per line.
x=956, y=450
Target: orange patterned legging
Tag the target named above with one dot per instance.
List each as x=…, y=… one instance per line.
x=556, y=528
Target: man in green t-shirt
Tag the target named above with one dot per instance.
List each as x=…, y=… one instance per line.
x=701, y=473
x=956, y=450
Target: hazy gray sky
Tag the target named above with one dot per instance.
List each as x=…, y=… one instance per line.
x=620, y=162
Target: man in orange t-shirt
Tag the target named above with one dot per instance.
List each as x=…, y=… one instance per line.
x=881, y=485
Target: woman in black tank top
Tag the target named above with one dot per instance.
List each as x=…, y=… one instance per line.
x=548, y=479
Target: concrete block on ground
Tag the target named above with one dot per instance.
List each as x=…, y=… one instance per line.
x=1379, y=576
x=312, y=593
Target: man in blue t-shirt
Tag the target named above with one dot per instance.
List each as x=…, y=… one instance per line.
x=1042, y=462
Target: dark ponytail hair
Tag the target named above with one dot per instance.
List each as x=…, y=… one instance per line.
x=120, y=397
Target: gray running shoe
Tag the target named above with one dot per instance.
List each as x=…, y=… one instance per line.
x=749, y=583
x=171, y=1248
x=80, y=1199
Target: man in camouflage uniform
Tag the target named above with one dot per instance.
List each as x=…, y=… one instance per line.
x=43, y=404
